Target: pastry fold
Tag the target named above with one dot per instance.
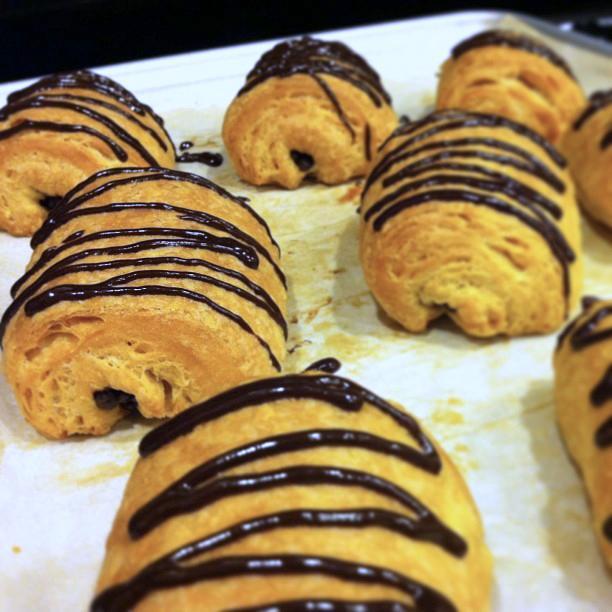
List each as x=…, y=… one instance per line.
x=309, y=108
x=588, y=147
x=148, y=289
x=513, y=75
x=60, y=130
x=472, y=216
x=302, y=492
x=583, y=398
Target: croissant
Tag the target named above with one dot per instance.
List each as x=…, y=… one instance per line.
x=583, y=398
x=60, y=130
x=588, y=147
x=301, y=492
x=472, y=216
x=513, y=75
x=309, y=108
x=148, y=289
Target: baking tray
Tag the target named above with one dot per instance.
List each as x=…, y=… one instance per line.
x=488, y=402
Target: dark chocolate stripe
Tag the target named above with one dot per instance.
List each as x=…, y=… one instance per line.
x=330, y=365
x=531, y=164
x=606, y=141
x=61, y=217
x=61, y=293
x=50, y=126
x=163, y=142
x=104, y=120
x=166, y=574
x=339, y=392
x=78, y=195
x=86, y=79
x=607, y=528
x=597, y=101
x=555, y=239
x=513, y=189
x=586, y=334
x=328, y=605
x=59, y=269
x=180, y=495
x=315, y=58
x=219, y=244
x=603, y=435
x=457, y=119
x=603, y=390
x=514, y=40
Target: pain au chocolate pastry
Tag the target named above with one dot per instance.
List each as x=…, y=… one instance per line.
x=301, y=492
x=309, y=108
x=588, y=147
x=583, y=397
x=513, y=75
x=60, y=130
x=472, y=216
x=148, y=289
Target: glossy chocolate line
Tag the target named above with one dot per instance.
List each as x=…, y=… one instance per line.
x=166, y=574
x=77, y=196
x=310, y=56
x=328, y=605
x=367, y=142
x=104, y=120
x=586, y=333
x=597, y=101
x=532, y=166
x=603, y=390
x=507, y=38
x=50, y=126
x=551, y=234
x=81, y=293
x=162, y=142
x=315, y=58
x=127, y=278
x=86, y=79
x=603, y=435
x=62, y=217
x=607, y=528
x=182, y=494
x=606, y=141
x=461, y=119
x=203, y=157
x=330, y=365
x=219, y=244
x=59, y=270
x=516, y=191
x=339, y=392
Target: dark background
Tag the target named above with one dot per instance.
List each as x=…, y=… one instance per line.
x=42, y=36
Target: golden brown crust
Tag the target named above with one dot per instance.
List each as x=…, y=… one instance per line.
x=57, y=134
x=588, y=146
x=514, y=83
x=458, y=219
x=583, y=398
x=299, y=124
x=222, y=321
x=463, y=580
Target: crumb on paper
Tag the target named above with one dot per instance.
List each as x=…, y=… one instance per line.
x=443, y=416
x=16, y=549
x=351, y=194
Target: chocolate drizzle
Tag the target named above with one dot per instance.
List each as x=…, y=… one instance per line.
x=597, y=101
x=607, y=528
x=508, y=38
x=315, y=58
x=202, y=157
x=125, y=104
x=448, y=181
x=210, y=482
x=167, y=574
x=328, y=605
x=34, y=293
